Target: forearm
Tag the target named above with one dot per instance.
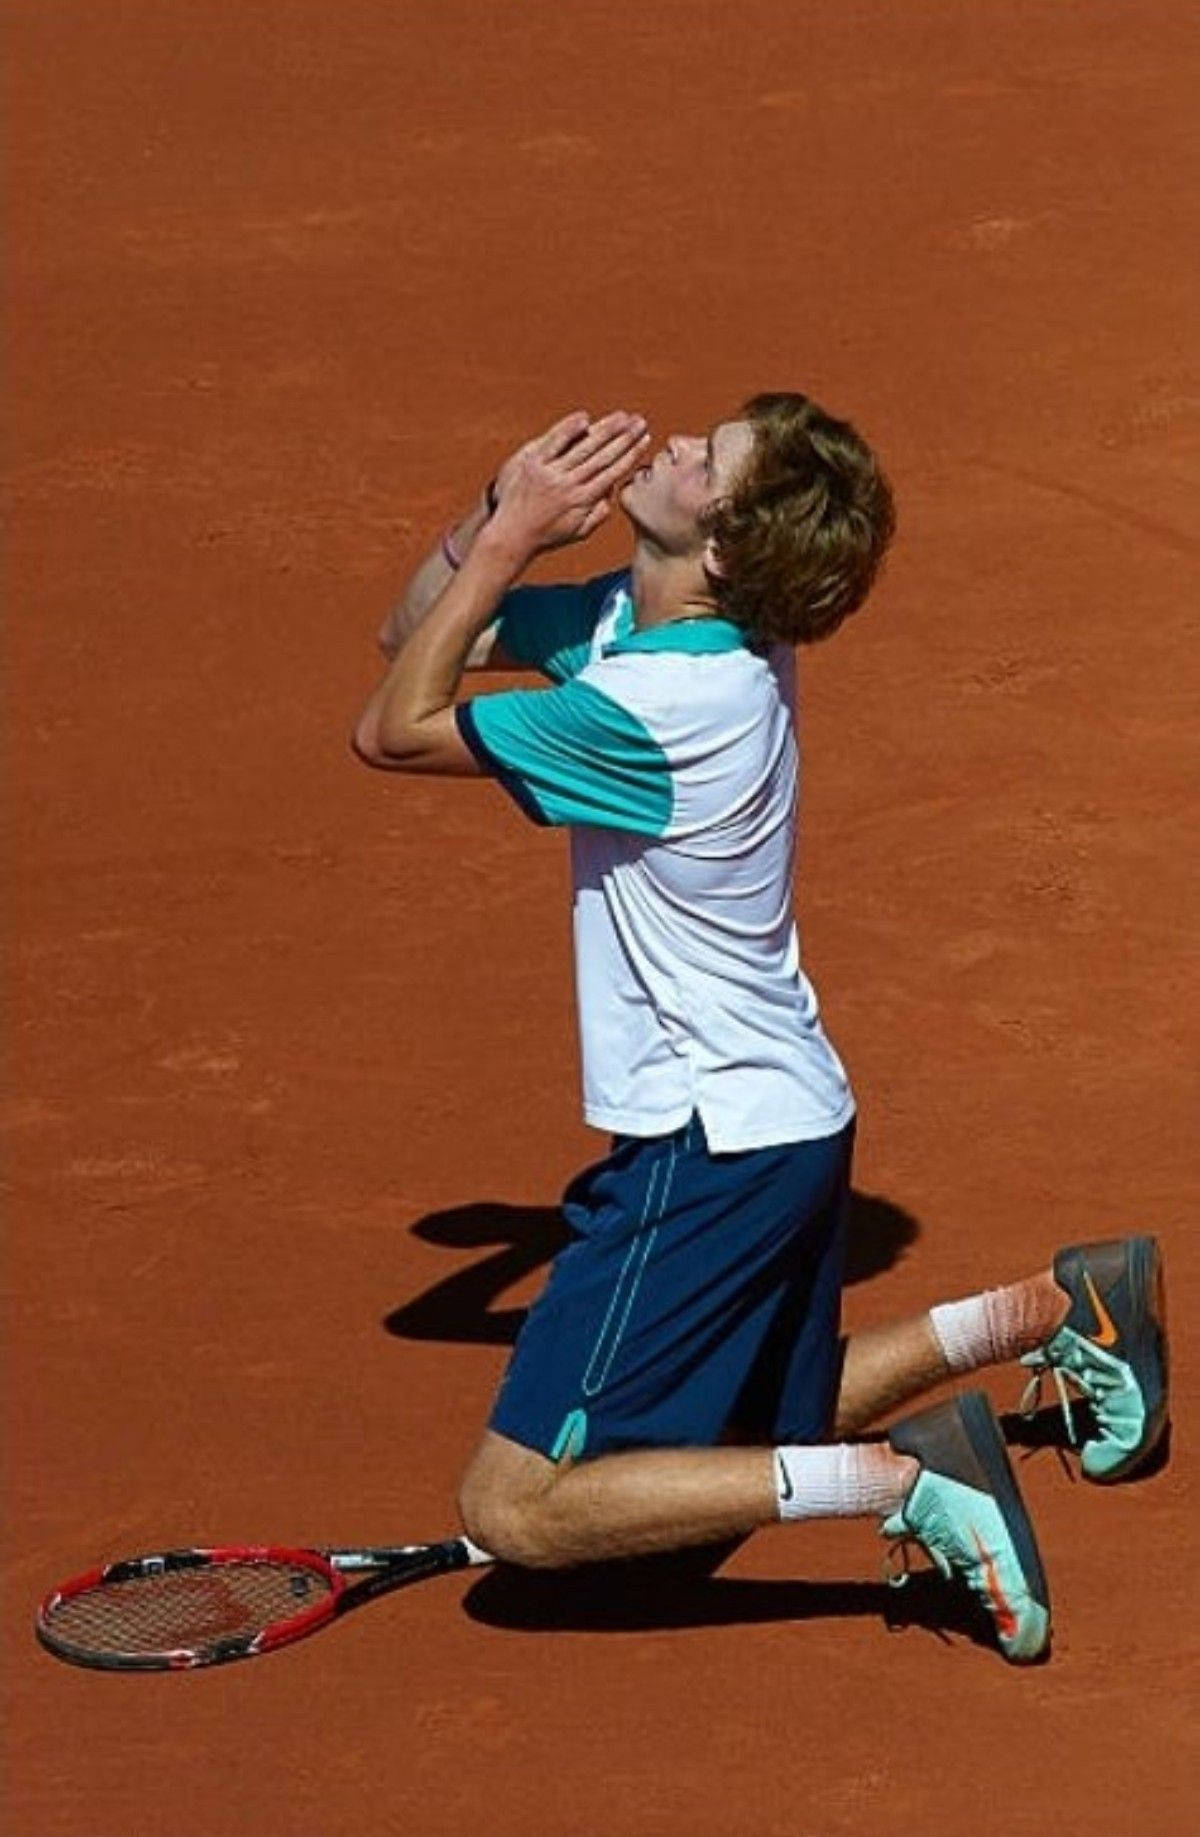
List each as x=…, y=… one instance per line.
x=425, y=671
x=429, y=582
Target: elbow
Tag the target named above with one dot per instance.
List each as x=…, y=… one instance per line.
x=364, y=744
x=384, y=753
x=363, y=752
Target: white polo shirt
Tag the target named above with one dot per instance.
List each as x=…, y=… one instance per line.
x=671, y=755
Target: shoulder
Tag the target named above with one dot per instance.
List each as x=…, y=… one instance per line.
x=718, y=690
x=552, y=628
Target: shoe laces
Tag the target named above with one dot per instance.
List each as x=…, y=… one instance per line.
x=1031, y=1396
x=897, y=1559
x=1094, y=1381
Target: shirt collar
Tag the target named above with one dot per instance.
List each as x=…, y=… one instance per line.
x=694, y=636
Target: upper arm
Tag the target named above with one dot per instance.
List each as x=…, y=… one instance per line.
x=434, y=745
x=548, y=629
x=487, y=652
x=572, y=754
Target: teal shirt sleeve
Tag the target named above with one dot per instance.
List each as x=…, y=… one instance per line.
x=571, y=755
x=550, y=628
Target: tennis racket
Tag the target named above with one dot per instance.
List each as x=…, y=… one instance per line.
x=184, y=1608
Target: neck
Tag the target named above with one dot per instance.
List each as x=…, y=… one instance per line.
x=668, y=587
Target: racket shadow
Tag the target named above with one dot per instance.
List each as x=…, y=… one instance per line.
x=460, y=1309
x=672, y=1593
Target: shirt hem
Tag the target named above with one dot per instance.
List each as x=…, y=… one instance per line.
x=720, y=1141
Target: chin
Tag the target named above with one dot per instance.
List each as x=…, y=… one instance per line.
x=629, y=509
x=635, y=512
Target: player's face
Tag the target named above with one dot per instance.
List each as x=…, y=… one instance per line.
x=665, y=499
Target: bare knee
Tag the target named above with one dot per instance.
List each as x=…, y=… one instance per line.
x=505, y=1527
x=502, y=1501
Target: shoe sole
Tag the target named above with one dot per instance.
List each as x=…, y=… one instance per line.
x=962, y=1440
x=1130, y=1277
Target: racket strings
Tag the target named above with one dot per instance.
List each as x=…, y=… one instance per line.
x=186, y=1610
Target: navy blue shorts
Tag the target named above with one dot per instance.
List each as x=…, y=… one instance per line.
x=700, y=1294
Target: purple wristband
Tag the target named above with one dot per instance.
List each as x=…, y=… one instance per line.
x=453, y=558
x=491, y=497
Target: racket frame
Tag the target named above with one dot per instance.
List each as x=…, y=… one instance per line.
x=393, y=1565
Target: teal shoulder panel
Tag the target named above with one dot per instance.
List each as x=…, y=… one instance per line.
x=550, y=628
x=572, y=755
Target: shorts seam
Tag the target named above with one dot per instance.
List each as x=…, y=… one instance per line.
x=590, y=1386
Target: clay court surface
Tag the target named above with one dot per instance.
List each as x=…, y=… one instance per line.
x=293, y=1080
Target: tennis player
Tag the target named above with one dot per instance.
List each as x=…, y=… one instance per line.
x=698, y=1299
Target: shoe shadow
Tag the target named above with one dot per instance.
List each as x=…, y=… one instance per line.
x=679, y=1590
x=460, y=1309
x=1046, y=1428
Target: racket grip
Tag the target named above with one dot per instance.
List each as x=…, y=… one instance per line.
x=454, y=1553
x=354, y=1562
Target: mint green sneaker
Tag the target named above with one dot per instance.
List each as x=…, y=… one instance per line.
x=966, y=1511
x=1113, y=1348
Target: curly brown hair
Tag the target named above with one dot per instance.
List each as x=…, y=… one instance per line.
x=801, y=537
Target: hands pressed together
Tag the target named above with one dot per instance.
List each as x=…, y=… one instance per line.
x=560, y=486
x=555, y=489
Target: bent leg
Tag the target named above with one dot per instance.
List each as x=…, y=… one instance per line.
x=696, y=1282
x=528, y=1510
x=886, y=1366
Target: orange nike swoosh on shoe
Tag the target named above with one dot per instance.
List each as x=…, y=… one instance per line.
x=1107, y=1336
x=1006, y=1620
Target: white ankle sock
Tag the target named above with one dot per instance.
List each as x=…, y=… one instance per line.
x=845, y=1480
x=990, y=1328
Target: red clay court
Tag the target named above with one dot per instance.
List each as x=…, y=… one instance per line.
x=293, y=1077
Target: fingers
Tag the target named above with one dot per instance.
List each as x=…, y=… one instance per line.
x=594, y=518
x=610, y=440
x=565, y=480
x=619, y=468
x=563, y=434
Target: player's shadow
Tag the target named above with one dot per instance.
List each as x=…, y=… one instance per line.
x=680, y=1590
x=461, y=1307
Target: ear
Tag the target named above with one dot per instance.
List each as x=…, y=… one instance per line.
x=712, y=560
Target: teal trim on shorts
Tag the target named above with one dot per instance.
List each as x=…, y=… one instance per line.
x=571, y=1439
x=697, y=1291
x=627, y=1284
